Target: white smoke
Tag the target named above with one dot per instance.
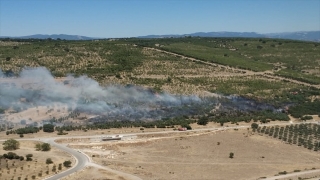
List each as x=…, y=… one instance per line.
x=39, y=88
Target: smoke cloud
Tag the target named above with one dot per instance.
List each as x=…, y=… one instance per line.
x=37, y=87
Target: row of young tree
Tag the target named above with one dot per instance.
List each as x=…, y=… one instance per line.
x=305, y=135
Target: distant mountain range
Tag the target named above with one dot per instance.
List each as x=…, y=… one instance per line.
x=53, y=36
x=301, y=35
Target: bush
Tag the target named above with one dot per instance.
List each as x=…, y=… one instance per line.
x=45, y=147
x=28, y=156
x=231, y=155
x=67, y=163
x=21, y=158
x=306, y=118
x=49, y=161
x=11, y=144
x=203, y=121
x=48, y=128
x=254, y=126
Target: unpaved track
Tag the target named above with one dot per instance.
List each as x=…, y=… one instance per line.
x=293, y=175
x=83, y=160
x=267, y=74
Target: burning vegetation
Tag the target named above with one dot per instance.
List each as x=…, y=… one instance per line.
x=130, y=103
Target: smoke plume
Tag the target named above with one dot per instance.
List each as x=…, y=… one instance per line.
x=37, y=87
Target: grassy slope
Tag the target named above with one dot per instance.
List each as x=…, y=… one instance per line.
x=123, y=62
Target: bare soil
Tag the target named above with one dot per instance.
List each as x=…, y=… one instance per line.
x=92, y=173
x=202, y=156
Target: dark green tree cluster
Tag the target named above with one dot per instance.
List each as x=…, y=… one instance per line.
x=25, y=130
x=12, y=155
x=237, y=116
x=48, y=128
x=305, y=108
x=183, y=121
x=164, y=123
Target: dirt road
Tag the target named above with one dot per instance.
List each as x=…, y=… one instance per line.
x=267, y=74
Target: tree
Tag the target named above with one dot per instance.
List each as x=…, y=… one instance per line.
x=21, y=158
x=45, y=147
x=48, y=128
x=38, y=146
x=49, y=161
x=28, y=156
x=254, y=126
x=231, y=155
x=203, y=121
x=11, y=144
x=67, y=163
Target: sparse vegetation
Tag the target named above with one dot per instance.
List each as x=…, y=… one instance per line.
x=11, y=144
x=43, y=146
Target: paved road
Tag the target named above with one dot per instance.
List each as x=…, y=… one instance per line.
x=82, y=160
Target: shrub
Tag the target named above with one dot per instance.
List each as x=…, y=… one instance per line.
x=48, y=128
x=49, y=161
x=67, y=163
x=11, y=144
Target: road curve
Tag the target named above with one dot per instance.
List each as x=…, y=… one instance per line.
x=81, y=159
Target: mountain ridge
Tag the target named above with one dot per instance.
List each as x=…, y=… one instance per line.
x=299, y=35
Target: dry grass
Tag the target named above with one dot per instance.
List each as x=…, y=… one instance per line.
x=92, y=173
x=27, y=169
x=200, y=157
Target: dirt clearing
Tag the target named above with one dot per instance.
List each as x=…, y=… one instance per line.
x=205, y=156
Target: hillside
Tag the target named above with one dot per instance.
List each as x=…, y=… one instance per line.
x=277, y=72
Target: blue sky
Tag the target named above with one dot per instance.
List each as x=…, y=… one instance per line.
x=129, y=18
